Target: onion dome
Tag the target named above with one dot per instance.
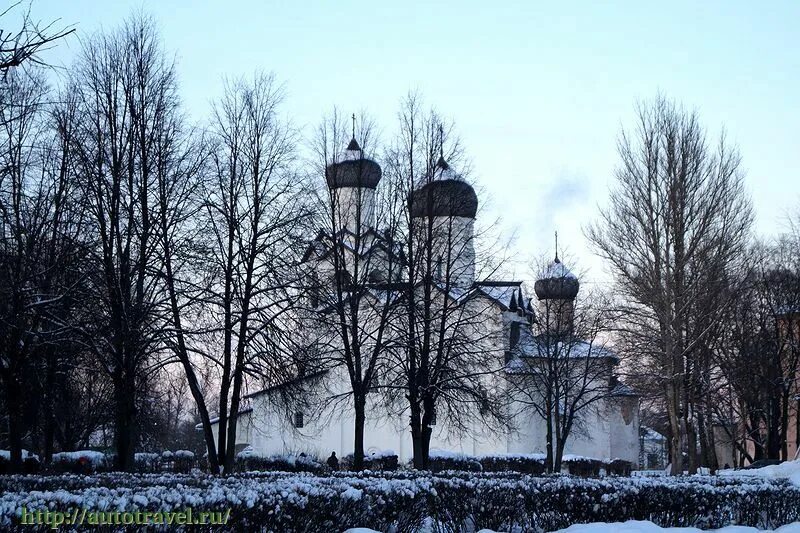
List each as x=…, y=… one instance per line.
x=353, y=169
x=446, y=195
x=557, y=283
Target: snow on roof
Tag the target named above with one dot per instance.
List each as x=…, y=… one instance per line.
x=556, y=269
x=530, y=346
x=652, y=434
x=502, y=291
x=215, y=420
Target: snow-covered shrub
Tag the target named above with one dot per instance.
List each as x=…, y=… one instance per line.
x=250, y=460
x=80, y=462
x=183, y=461
x=147, y=462
x=619, y=467
x=527, y=463
x=582, y=466
x=376, y=461
x=30, y=462
x=440, y=460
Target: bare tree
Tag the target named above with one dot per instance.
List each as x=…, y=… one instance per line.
x=445, y=371
x=31, y=38
x=39, y=246
x=679, y=210
x=255, y=216
x=759, y=359
x=127, y=99
x=355, y=268
x=181, y=156
x=564, y=370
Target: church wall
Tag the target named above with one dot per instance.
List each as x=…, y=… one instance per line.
x=453, y=236
x=624, y=428
x=347, y=200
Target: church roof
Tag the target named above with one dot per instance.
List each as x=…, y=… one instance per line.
x=215, y=420
x=353, y=169
x=370, y=242
x=294, y=381
x=445, y=194
x=532, y=346
x=447, y=197
x=557, y=283
x=622, y=390
x=508, y=295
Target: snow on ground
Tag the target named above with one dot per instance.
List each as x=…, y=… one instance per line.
x=789, y=470
x=637, y=526
x=634, y=526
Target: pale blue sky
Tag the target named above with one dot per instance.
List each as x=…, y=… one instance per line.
x=538, y=90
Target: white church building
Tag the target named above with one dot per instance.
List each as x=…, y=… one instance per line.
x=609, y=430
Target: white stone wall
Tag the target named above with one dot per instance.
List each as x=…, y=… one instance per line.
x=347, y=200
x=453, y=247
x=624, y=427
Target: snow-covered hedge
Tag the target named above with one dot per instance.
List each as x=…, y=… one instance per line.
x=526, y=463
x=376, y=460
x=406, y=499
x=441, y=460
x=147, y=462
x=80, y=462
x=249, y=460
x=91, y=461
x=30, y=462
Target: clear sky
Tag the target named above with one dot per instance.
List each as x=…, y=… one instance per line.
x=538, y=90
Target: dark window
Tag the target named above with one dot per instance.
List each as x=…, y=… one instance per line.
x=514, y=340
x=343, y=279
x=433, y=418
x=298, y=419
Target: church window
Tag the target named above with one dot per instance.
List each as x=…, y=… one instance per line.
x=514, y=339
x=298, y=419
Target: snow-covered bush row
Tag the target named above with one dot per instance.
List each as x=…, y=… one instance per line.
x=377, y=460
x=250, y=460
x=30, y=462
x=91, y=461
x=526, y=463
x=405, y=499
x=80, y=462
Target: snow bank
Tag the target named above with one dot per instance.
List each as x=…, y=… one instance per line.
x=640, y=526
x=787, y=470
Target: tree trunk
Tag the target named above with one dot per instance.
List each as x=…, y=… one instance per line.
x=358, y=433
x=49, y=416
x=125, y=426
x=416, y=435
x=15, y=420
x=675, y=451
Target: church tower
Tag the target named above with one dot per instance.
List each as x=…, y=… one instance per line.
x=443, y=217
x=352, y=180
x=556, y=291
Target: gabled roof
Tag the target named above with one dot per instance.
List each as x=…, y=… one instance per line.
x=215, y=420
x=287, y=383
x=530, y=347
x=371, y=239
